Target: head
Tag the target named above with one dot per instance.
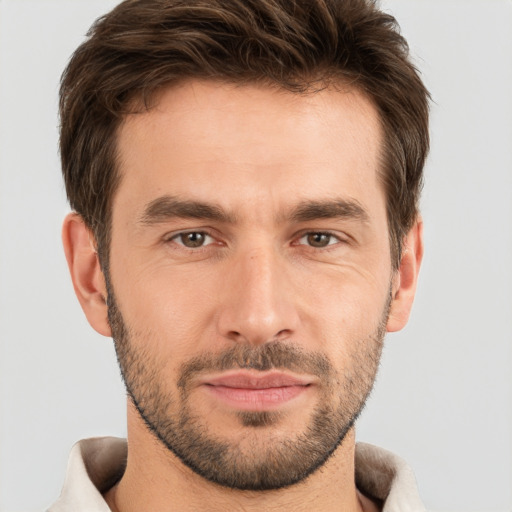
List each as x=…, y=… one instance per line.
x=249, y=174
x=144, y=46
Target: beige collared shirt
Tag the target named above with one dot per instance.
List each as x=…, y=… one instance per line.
x=97, y=464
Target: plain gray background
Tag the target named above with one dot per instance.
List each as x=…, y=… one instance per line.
x=443, y=398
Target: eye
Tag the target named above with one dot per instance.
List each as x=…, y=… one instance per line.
x=193, y=239
x=318, y=239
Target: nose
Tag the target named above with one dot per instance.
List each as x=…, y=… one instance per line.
x=258, y=299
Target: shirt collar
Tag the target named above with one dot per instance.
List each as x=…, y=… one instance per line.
x=97, y=464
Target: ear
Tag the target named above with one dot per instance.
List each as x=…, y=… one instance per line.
x=406, y=278
x=85, y=270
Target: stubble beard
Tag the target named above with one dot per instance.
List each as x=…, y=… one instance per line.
x=263, y=460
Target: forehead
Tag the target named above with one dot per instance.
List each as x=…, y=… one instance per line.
x=234, y=145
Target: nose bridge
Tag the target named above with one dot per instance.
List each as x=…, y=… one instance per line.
x=258, y=307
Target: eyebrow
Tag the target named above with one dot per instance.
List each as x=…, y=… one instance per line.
x=330, y=209
x=166, y=208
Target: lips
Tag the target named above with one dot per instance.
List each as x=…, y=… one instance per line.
x=256, y=391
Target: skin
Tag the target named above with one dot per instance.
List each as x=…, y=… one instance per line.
x=257, y=154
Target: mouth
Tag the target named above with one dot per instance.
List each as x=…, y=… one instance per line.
x=256, y=391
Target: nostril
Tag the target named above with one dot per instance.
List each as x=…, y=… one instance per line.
x=283, y=334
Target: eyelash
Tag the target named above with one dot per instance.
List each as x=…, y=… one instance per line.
x=332, y=236
x=337, y=239
x=182, y=234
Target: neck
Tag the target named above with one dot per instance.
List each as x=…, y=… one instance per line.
x=155, y=479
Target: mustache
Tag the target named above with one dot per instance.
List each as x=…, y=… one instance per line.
x=269, y=356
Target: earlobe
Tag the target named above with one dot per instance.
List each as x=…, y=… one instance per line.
x=86, y=273
x=406, y=278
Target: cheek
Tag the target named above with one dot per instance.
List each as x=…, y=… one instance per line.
x=348, y=301
x=180, y=304
x=175, y=305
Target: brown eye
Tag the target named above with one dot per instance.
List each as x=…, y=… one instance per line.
x=192, y=240
x=318, y=239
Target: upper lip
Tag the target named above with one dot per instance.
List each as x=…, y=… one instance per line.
x=261, y=380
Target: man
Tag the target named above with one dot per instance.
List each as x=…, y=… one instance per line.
x=245, y=179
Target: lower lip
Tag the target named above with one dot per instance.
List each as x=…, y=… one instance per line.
x=256, y=399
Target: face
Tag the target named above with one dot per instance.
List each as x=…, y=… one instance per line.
x=250, y=275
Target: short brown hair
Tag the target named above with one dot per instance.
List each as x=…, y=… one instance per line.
x=143, y=45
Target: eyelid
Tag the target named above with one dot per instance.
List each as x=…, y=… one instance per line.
x=183, y=231
x=340, y=237
x=175, y=235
